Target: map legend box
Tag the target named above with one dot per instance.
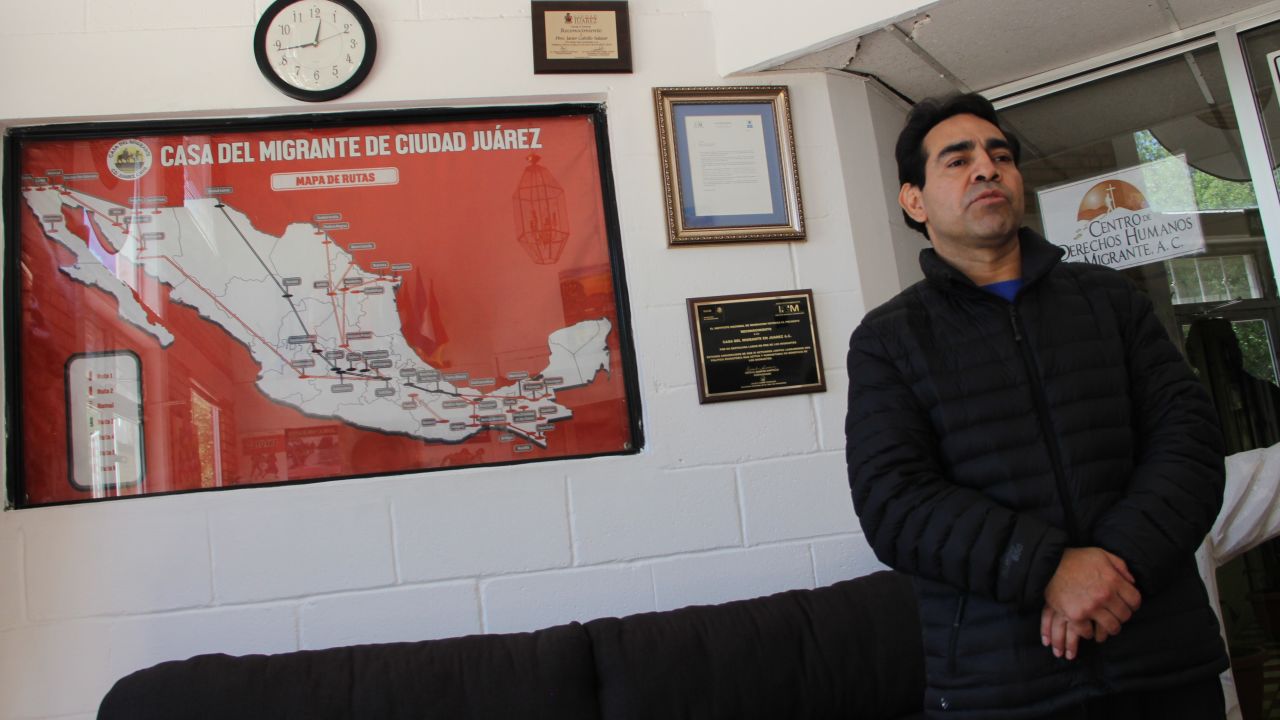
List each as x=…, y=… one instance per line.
x=104, y=411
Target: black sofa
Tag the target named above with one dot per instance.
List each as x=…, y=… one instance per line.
x=850, y=650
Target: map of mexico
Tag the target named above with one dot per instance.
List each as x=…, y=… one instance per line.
x=337, y=313
x=330, y=344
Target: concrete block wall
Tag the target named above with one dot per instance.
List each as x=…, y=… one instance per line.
x=727, y=501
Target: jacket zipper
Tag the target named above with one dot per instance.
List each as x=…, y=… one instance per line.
x=1042, y=413
x=1074, y=535
x=955, y=634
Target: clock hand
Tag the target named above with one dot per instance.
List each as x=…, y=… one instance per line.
x=327, y=37
x=295, y=47
x=312, y=43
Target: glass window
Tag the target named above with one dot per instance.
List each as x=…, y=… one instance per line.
x=1214, y=278
x=1114, y=171
x=1255, y=344
x=1145, y=171
x=1261, y=47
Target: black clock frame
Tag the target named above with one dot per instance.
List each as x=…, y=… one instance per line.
x=265, y=65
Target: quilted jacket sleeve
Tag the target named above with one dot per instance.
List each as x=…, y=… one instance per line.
x=915, y=519
x=1176, y=489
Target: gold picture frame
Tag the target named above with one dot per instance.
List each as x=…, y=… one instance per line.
x=729, y=169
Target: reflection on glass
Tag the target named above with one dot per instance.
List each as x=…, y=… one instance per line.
x=1221, y=300
x=205, y=416
x=1215, y=278
x=1257, y=44
x=281, y=336
x=1255, y=346
x=1212, y=192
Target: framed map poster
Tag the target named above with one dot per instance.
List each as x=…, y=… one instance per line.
x=195, y=305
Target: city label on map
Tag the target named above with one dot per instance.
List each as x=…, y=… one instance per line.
x=104, y=415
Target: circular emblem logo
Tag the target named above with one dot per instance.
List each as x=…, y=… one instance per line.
x=129, y=159
x=1108, y=196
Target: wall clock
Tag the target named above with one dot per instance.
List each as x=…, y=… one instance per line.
x=315, y=50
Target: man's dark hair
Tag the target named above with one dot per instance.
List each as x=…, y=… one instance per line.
x=923, y=117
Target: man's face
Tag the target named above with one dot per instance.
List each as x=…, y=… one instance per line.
x=972, y=195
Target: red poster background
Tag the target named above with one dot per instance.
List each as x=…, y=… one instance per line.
x=474, y=302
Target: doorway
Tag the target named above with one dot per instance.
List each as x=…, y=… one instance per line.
x=1177, y=148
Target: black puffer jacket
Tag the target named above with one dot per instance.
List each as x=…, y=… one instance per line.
x=984, y=437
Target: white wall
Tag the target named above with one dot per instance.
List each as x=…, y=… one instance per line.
x=727, y=501
x=868, y=119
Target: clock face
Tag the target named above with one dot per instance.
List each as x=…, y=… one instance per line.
x=315, y=49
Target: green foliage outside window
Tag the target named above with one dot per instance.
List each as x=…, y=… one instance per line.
x=1218, y=278
x=1212, y=192
x=1256, y=348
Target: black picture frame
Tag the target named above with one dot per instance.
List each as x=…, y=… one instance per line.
x=265, y=66
x=16, y=176
x=756, y=345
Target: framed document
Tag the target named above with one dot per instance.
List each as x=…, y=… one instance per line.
x=581, y=37
x=755, y=345
x=728, y=164
x=211, y=304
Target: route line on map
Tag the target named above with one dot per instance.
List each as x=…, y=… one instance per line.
x=438, y=391
x=332, y=292
x=343, y=328
x=371, y=281
x=225, y=309
x=339, y=320
x=349, y=376
x=284, y=293
x=214, y=298
x=423, y=404
x=96, y=215
x=479, y=396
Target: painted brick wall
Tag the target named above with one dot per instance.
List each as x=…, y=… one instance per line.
x=727, y=501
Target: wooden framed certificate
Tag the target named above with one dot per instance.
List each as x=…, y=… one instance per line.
x=581, y=37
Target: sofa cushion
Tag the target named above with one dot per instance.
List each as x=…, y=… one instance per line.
x=546, y=674
x=851, y=650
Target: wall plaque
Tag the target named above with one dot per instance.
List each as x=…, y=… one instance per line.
x=756, y=345
x=581, y=37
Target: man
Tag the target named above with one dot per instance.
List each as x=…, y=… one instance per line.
x=1025, y=441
